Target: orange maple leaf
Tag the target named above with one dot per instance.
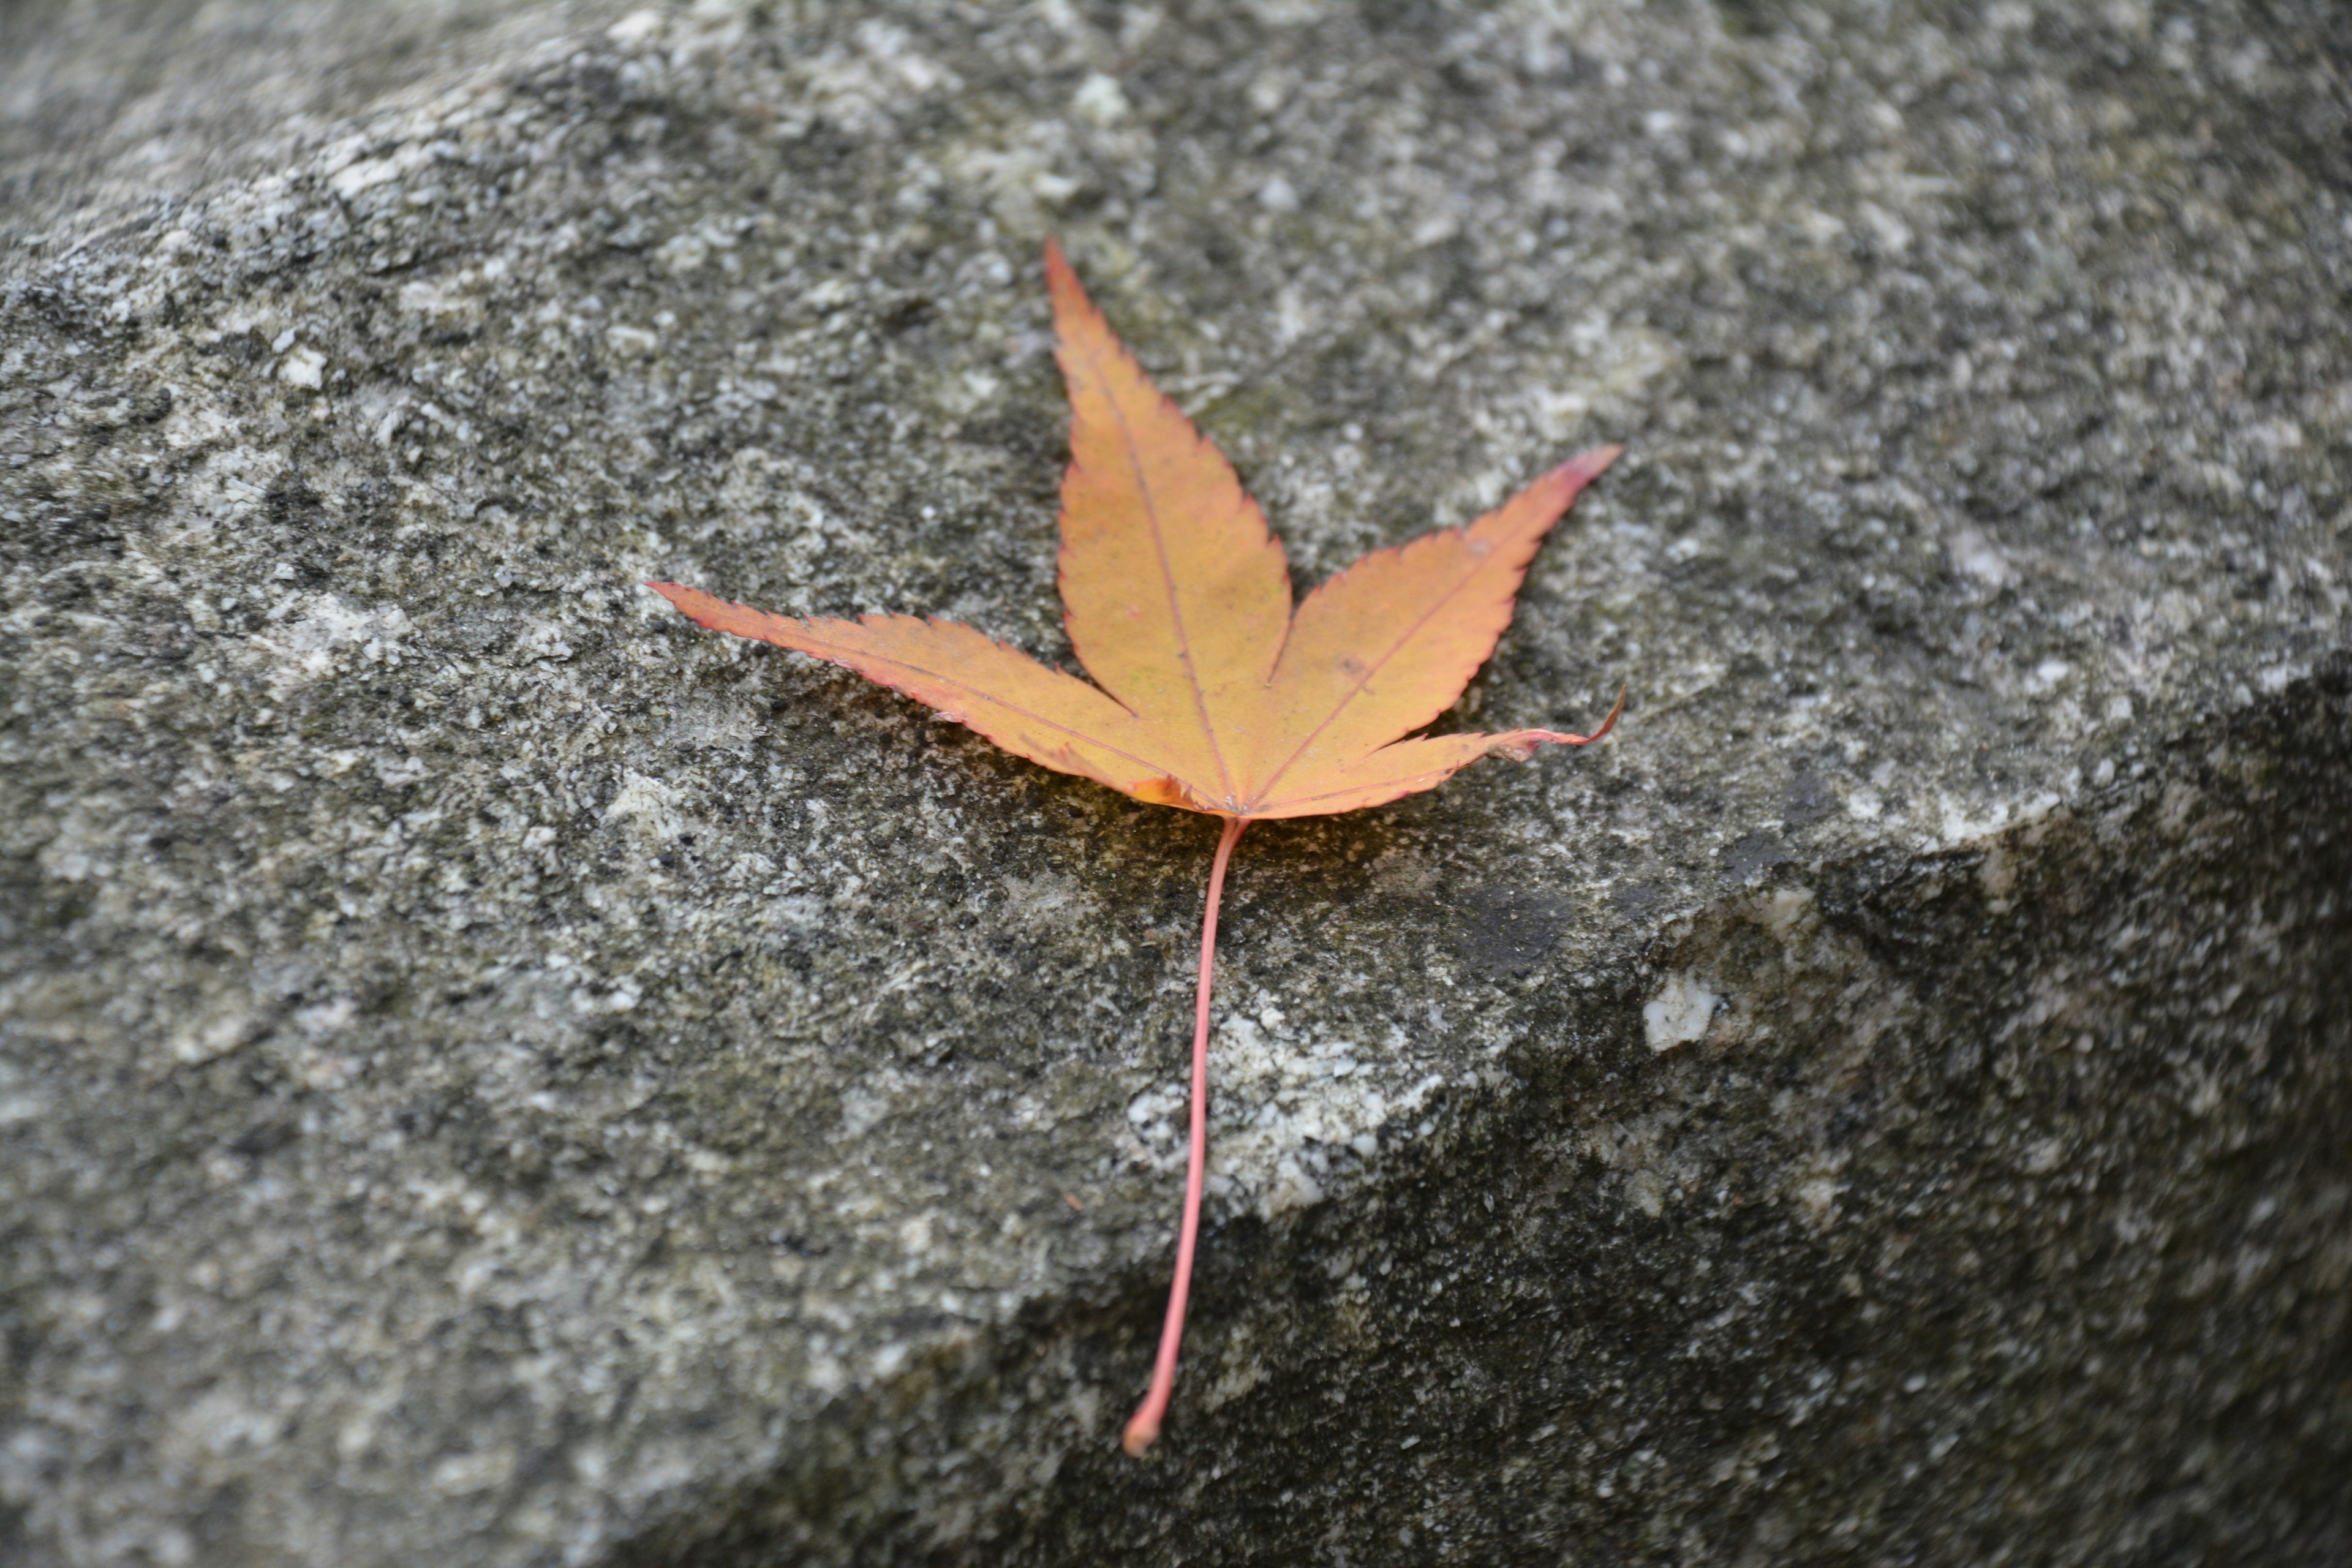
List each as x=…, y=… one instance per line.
x=1211, y=693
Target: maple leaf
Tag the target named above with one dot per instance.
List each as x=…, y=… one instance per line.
x=1211, y=693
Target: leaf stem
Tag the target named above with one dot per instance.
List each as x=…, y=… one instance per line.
x=1143, y=1426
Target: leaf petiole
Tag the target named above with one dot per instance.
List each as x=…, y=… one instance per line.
x=1143, y=1426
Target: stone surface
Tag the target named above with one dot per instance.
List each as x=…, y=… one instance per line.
x=109, y=110
x=494, y=1076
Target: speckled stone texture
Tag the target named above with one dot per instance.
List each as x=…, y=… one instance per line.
x=491, y=1075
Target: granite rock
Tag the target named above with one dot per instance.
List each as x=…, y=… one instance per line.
x=491, y=1075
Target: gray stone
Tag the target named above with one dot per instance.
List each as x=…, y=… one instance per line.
x=496, y=1076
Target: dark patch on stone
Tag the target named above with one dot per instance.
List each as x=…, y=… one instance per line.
x=1503, y=931
x=247, y=347
x=1031, y=436
x=1753, y=854
x=1812, y=796
x=266, y=1138
x=1636, y=901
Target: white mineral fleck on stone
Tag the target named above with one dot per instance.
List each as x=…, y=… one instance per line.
x=646, y=801
x=635, y=27
x=216, y=1035
x=365, y=176
x=682, y=253
x=306, y=366
x=15, y=1107
x=1962, y=822
x=323, y=630
x=1974, y=555
x=1788, y=912
x=2047, y=674
x=1679, y=1013
x=1098, y=98
x=2279, y=676
x=1647, y=1190
x=1817, y=1197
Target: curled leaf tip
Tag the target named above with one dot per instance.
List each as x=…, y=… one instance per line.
x=1587, y=466
x=1610, y=722
x=1518, y=745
